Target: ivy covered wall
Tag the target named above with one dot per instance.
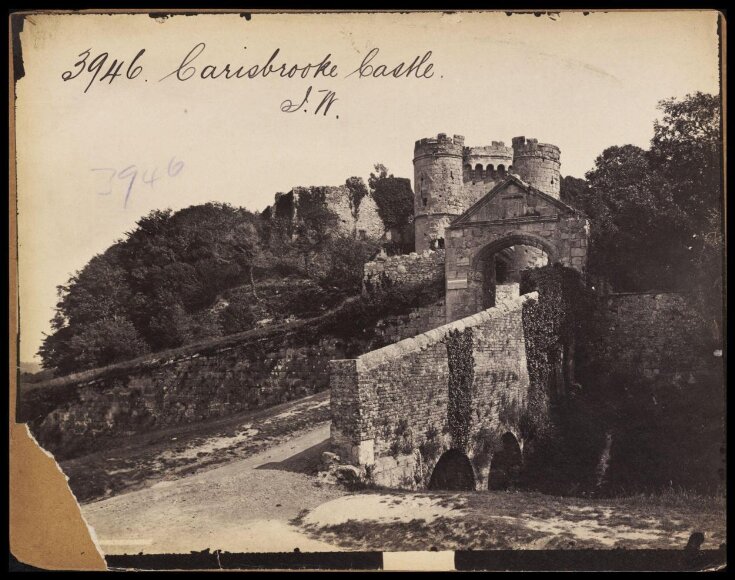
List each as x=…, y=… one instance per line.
x=459, y=387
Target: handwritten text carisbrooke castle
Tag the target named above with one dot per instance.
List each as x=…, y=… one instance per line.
x=193, y=66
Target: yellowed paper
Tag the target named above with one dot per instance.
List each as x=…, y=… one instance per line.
x=120, y=114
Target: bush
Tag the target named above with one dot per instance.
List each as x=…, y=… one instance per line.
x=662, y=435
x=236, y=317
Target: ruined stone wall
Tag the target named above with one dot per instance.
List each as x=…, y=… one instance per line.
x=368, y=219
x=336, y=198
x=659, y=335
x=410, y=268
x=364, y=221
x=390, y=406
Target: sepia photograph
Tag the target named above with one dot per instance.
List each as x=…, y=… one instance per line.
x=444, y=287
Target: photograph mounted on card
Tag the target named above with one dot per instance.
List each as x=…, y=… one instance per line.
x=338, y=285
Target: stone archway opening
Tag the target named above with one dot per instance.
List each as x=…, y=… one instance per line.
x=453, y=472
x=505, y=466
x=502, y=266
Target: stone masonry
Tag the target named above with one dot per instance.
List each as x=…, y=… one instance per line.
x=410, y=268
x=450, y=177
x=387, y=405
x=655, y=334
x=363, y=221
x=512, y=214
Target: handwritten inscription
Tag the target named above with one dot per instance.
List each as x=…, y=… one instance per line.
x=126, y=180
x=328, y=98
x=92, y=69
x=420, y=68
x=188, y=70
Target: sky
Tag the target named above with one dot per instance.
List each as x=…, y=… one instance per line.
x=95, y=154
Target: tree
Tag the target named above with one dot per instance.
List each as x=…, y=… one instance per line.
x=145, y=290
x=357, y=191
x=686, y=151
x=393, y=196
x=381, y=172
x=98, y=343
x=656, y=217
x=347, y=257
x=574, y=191
x=315, y=225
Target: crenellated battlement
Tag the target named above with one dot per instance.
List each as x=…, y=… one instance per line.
x=497, y=149
x=443, y=144
x=449, y=177
x=523, y=147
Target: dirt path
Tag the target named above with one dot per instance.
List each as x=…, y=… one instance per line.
x=244, y=506
x=178, y=452
x=246, y=484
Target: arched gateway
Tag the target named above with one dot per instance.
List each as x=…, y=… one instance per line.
x=513, y=227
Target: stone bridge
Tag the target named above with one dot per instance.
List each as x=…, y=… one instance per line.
x=440, y=410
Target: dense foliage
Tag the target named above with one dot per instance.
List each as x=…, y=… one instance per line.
x=656, y=214
x=382, y=300
x=203, y=272
x=552, y=325
x=357, y=192
x=609, y=433
x=393, y=196
x=461, y=382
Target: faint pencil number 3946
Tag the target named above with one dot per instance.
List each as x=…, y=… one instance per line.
x=131, y=176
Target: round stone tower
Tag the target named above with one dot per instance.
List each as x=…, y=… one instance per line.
x=438, y=197
x=537, y=164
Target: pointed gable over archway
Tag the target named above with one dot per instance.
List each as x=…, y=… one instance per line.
x=513, y=199
x=512, y=213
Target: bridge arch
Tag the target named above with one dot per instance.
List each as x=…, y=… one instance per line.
x=453, y=472
x=506, y=463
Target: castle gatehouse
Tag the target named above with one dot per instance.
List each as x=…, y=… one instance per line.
x=442, y=409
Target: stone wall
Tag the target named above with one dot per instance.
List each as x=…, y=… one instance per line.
x=410, y=268
x=390, y=406
x=417, y=321
x=368, y=219
x=257, y=369
x=73, y=417
x=365, y=221
x=507, y=292
x=476, y=189
x=658, y=335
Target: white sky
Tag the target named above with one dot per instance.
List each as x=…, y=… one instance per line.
x=581, y=82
